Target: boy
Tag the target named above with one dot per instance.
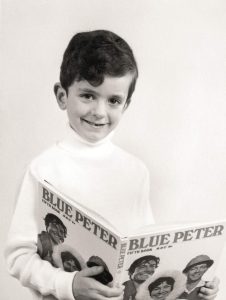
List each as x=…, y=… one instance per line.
x=97, y=79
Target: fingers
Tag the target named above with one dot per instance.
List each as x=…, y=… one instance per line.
x=110, y=284
x=205, y=297
x=210, y=290
x=110, y=292
x=107, y=295
x=206, y=294
x=86, y=287
x=100, y=297
x=213, y=284
x=89, y=272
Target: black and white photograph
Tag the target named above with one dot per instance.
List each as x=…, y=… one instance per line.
x=113, y=149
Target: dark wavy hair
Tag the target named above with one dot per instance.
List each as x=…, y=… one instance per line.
x=138, y=261
x=66, y=255
x=157, y=282
x=94, y=54
x=50, y=218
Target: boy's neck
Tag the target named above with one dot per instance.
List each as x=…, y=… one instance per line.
x=73, y=135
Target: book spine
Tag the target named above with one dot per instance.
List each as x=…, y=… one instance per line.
x=121, y=262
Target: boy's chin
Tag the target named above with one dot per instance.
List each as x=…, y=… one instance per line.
x=95, y=137
x=92, y=136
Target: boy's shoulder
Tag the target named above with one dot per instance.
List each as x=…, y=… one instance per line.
x=55, y=159
x=45, y=162
x=130, y=159
x=46, y=155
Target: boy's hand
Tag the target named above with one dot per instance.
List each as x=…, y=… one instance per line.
x=210, y=290
x=85, y=287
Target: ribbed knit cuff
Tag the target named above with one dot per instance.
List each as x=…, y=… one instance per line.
x=64, y=285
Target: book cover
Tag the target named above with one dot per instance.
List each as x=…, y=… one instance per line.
x=156, y=262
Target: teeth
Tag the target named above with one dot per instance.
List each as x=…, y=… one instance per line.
x=94, y=124
x=97, y=124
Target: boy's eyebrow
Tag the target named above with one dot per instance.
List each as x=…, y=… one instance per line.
x=88, y=90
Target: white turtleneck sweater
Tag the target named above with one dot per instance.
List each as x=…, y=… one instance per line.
x=100, y=176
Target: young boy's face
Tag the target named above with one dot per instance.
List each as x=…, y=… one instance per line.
x=94, y=112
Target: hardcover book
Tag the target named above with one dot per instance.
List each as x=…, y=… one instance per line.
x=159, y=262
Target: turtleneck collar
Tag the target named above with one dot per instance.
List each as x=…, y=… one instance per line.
x=74, y=143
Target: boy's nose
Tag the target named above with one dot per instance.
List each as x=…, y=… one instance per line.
x=99, y=108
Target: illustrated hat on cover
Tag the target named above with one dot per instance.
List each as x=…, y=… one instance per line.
x=200, y=259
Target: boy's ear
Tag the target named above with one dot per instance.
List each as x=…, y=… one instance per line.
x=61, y=95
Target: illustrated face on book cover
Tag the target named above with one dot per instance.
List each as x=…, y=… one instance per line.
x=195, y=273
x=161, y=291
x=197, y=267
x=94, y=111
x=56, y=232
x=70, y=262
x=144, y=270
x=70, y=266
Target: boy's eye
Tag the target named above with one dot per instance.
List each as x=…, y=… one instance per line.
x=87, y=96
x=115, y=101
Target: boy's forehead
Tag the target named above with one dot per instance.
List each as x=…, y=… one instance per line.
x=111, y=84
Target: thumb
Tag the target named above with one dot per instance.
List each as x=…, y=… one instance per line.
x=89, y=272
x=216, y=280
x=213, y=284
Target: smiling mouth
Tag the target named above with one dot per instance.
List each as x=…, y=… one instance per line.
x=146, y=273
x=93, y=124
x=161, y=295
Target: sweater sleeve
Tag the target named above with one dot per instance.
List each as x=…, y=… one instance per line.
x=22, y=259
